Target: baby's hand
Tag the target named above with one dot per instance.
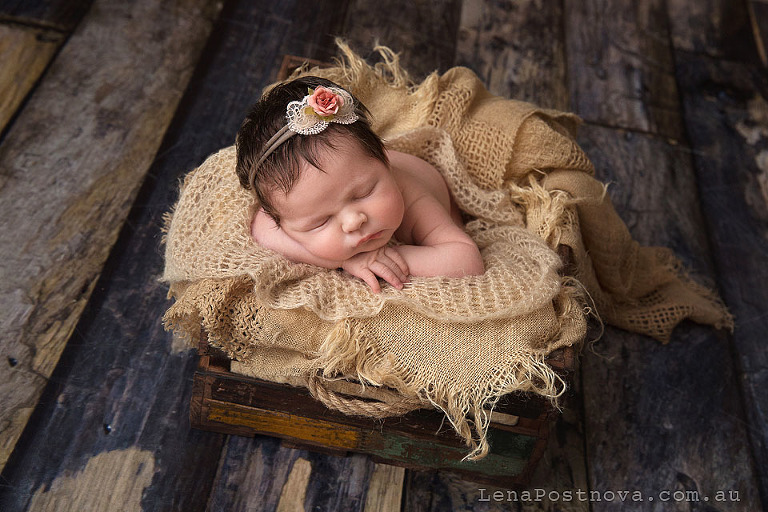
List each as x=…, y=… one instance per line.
x=385, y=262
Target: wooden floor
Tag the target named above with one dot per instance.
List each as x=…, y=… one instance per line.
x=104, y=104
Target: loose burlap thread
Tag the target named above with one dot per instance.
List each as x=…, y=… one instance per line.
x=456, y=343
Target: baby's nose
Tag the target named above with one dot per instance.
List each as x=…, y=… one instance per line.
x=353, y=221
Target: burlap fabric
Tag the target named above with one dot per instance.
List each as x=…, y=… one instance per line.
x=457, y=343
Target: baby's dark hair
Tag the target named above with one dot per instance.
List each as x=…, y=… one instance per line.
x=281, y=169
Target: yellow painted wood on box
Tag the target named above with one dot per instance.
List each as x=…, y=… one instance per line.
x=323, y=433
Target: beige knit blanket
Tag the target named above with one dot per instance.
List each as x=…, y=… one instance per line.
x=456, y=343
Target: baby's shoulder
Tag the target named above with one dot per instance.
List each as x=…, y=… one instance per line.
x=416, y=176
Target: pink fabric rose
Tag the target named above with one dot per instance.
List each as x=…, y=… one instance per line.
x=324, y=102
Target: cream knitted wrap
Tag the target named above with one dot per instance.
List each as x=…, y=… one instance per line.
x=457, y=343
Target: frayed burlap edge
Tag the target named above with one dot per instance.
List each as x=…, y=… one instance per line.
x=349, y=352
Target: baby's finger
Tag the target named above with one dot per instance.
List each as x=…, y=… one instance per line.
x=372, y=281
x=386, y=272
x=399, y=261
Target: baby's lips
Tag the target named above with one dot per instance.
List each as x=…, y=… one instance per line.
x=369, y=237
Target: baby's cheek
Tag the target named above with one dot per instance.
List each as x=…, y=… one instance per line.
x=329, y=247
x=395, y=208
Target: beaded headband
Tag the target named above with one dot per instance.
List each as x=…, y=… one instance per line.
x=311, y=115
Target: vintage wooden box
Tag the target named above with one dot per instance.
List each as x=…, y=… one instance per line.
x=230, y=403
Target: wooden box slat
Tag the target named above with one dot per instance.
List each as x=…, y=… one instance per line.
x=230, y=403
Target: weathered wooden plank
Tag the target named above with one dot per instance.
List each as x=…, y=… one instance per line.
x=294, y=491
x=62, y=15
x=563, y=466
x=511, y=456
x=726, y=110
x=650, y=408
x=25, y=53
x=385, y=489
x=724, y=91
x=622, y=68
x=641, y=389
x=69, y=169
x=338, y=483
x=118, y=432
x=522, y=414
x=423, y=32
x=103, y=491
x=260, y=474
x=719, y=28
x=758, y=17
x=252, y=474
x=511, y=61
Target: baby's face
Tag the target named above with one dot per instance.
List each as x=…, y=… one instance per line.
x=353, y=205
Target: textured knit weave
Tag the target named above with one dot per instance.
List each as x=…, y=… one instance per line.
x=458, y=343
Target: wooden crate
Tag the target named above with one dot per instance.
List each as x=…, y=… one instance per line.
x=230, y=403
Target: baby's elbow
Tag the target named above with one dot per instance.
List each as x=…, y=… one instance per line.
x=472, y=263
x=475, y=269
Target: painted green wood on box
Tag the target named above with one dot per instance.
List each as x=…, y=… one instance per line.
x=509, y=456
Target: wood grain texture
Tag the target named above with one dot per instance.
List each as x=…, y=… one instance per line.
x=422, y=32
x=25, y=53
x=294, y=491
x=621, y=67
x=61, y=15
x=69, y=171
x=726, y=109
x=255, y=472
x=725, y=97
x=651, y=408
x=516, y=48
x=110, y=481
x=718, y=28
x=252, y=474
x=385, y=489
x=758, y=17
x=563, y=466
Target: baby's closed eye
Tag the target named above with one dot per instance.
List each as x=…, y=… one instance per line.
x=366, y=192
x=319, y=224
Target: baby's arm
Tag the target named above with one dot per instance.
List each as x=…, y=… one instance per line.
x=267, y=233
x=385, y=262
x=439, y=247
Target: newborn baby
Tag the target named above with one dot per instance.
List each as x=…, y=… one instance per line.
x=332, y=195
